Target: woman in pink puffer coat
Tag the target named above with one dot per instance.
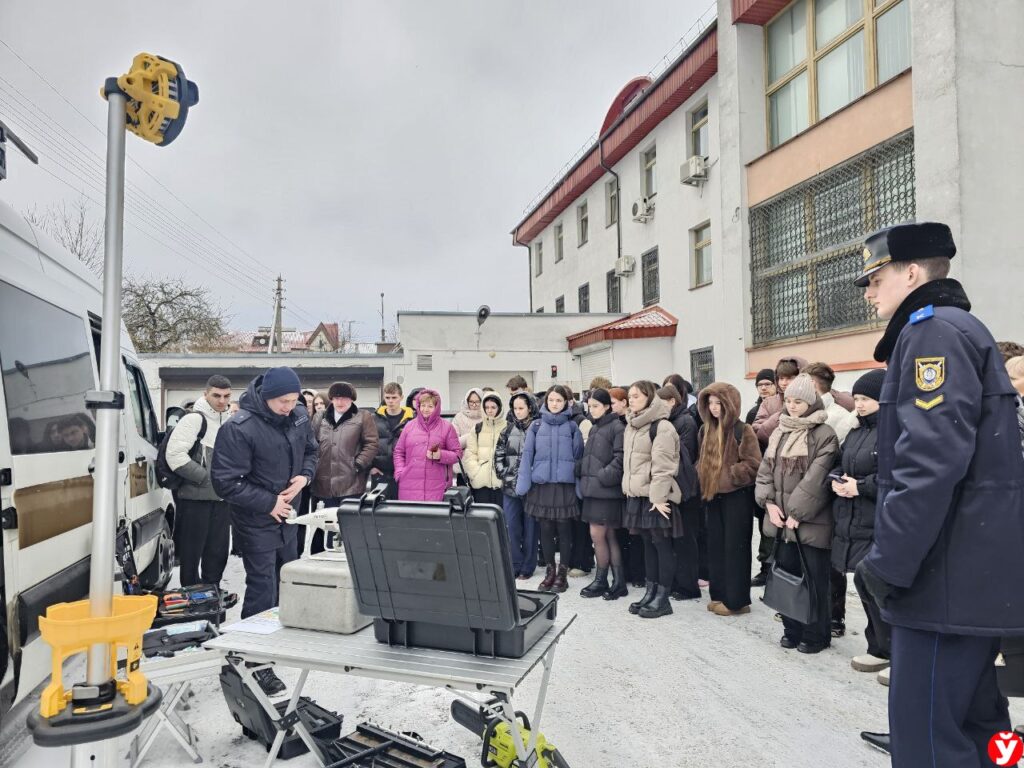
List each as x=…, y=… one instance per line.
x=426, y=451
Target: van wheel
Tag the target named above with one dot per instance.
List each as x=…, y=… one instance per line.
x=158, y=573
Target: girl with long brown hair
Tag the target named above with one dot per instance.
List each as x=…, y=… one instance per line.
x=729, y=459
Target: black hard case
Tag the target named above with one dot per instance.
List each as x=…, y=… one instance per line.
x=439, y=575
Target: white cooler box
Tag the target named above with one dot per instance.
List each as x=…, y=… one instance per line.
x=316, y=593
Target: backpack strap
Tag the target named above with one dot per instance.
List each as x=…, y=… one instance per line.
x=479, y=428
x=737, y=430
x=652, y=431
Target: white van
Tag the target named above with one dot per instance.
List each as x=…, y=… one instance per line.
x=50, y=333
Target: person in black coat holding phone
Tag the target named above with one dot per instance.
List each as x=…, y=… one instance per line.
x=854, y=484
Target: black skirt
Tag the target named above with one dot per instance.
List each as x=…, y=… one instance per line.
x=552, y=501
x=603, y=511
x=640, y=517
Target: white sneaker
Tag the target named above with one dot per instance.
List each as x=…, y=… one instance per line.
x=868, y=663
x=576, y=573
x=883, y=677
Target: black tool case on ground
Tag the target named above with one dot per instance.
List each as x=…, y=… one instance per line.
x=439, y=575
x=372, y=747
x=200, y=601
x=323, y=724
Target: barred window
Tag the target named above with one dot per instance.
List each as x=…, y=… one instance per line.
x=560, y=304
x=651, y=283
x=806, y=244
x=702, y=367
x=583, y=295
x=612, y=288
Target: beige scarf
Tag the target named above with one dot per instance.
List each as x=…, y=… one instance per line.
x=789, y=441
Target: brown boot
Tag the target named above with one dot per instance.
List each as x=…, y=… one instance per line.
x=561, y=580
x=549, y=580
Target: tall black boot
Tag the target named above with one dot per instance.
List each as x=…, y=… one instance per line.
x=659, y=606
x=618, y=588
x=598, y=586
x=652, y=589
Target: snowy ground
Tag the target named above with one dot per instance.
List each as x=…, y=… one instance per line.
x=687, y=690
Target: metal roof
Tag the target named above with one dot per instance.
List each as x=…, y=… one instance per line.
x=649, y=323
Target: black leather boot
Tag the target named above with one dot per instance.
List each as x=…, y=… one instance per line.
x=598, y=586
x=561, y=583
x=652, y=588
x=879, y=741
x=659, y=606
x=618, y=588
x=549, y=580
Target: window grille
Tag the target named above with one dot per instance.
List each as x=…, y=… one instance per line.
x=806, y=243
x=651, y=287
x=702, y=367
x=614, y=294
x=584, y=298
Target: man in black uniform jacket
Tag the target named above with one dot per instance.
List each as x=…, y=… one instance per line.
x=947, y=563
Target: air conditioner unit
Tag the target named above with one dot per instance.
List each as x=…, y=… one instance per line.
x=694, y=171
x=643, y=209
x=624, y=265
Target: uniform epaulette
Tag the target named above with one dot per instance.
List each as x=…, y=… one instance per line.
x=241, y=416
x=925, y=313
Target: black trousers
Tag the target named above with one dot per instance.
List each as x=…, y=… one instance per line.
x=262, y=576
x=944, y=701
x=304, y=507
x=389, y=481
x=686, y=550
x=550, y=530
x=878, y=632
x=837, y=581
x=582, y=546
x=764, y=543
x=659, y=557
x=317, y=545
x=203, y=540
x=730, y=525
x=632, y=547
x=703, y=571
x=818, y=565
x=488, y=496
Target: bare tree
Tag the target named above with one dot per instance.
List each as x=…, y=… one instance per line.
x=72, y=228
x=168, y=315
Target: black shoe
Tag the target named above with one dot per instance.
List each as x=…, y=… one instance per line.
x=760, y=580
x=879, y=741
x=812, y=647
x=639, y=584
x=660, y=605
x=271, y=684
x=652, y=590
x=548, y=580
x=838, y=627
x=618, y=588
x=788, y=644
x=598, y=586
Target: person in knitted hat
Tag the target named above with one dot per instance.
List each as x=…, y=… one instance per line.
x=765, y=383
x=792, y=487
x=854, y=512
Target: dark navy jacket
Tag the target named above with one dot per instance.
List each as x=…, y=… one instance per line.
x=949, y=524
x=256, y=455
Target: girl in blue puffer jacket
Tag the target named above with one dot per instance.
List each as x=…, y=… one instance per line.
x=547, y=479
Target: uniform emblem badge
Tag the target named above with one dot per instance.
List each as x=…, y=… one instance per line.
x=930, y=373
x=867, y=255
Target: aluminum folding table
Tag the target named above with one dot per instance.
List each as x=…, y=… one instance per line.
x=177, y=674
x=359, y=654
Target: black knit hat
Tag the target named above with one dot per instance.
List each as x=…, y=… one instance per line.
x=602, y=396
x=870, y=384
x=765, y=374
x=341, y=389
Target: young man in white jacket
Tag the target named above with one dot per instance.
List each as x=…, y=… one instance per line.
x=203, y=520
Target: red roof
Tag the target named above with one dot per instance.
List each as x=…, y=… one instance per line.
x=756, y=11
x=650, y=323
x=694, y=68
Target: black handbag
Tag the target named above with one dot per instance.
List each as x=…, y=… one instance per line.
x=791, y=595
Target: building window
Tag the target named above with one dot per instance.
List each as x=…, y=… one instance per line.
x=651, y=287
x=699, y=131
x=611, y=202
x=806, y=244
x=818, y=58
x=702, y=367
x=584, y=297
x=538, y=258
x=559, y=250
x=649, y=163
x=582, y=224
x=611, y=283
x=701, y=272
x=560, y=304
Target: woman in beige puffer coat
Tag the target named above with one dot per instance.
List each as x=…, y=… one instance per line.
x=478, y=458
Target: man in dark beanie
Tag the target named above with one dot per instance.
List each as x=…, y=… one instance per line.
x=263, y=458
x=765, y=383
x=947, y=563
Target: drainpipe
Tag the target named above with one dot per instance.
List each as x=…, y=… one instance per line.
x=529, y=267
x=618, y=198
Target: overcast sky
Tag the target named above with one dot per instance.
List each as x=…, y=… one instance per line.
x=355, y=147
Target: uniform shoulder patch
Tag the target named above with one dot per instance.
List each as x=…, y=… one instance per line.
x=927, y=405
x=929, y=373
x=925, y=313
x=241, y=416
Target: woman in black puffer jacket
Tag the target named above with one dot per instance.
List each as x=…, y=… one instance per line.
x=854, y=512
x=600, y=474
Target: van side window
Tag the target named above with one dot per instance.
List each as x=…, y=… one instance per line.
x=47, y=369
x=142, y=405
